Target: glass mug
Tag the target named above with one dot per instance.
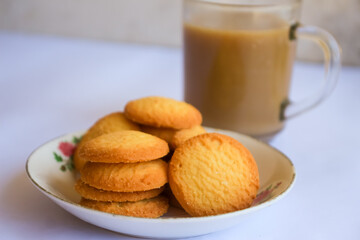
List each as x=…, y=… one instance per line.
x=238, y=60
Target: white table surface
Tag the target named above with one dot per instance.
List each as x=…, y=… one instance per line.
x=50, y=86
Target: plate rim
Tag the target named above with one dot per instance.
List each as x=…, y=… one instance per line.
x=171, y=219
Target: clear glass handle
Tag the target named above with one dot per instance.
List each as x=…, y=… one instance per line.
x=331, y=51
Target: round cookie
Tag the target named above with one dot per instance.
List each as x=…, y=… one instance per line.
x=149, y=208
x=163, y=112
x=110, y=123
x=212, y=174
x=184, y=134
x=124, y=147
x=125, y=177
x=92, y=193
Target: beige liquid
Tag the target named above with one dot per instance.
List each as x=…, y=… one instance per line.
x=237, y=73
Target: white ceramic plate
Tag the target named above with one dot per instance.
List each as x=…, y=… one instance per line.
x=50, y=170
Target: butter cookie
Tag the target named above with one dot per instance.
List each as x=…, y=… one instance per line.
x=125, y=177
x=163, y=112
x=124, y=147
x=88, y=192
x=110, y=123
x=148, y=208
x=212, y=174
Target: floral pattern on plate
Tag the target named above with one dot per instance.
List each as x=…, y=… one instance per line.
x=65, y=157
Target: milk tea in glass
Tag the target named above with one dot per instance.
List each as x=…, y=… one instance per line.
x=238, y=59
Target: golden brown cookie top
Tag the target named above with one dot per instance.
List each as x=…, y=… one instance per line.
x=124, y=147
x=212, y=174
x=125, y=177
x=163, y=112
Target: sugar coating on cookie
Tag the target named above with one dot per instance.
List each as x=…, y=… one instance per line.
x=212, y=174
x=124, y=147
x=125, y=177
x=184, y=134
x=112, y=122
x=163, y=112
x=88, y=192
x=149, y=208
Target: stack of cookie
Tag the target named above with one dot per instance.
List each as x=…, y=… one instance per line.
x=124, y=174
x=171, y=120
x=168, y=119
x=119, y=159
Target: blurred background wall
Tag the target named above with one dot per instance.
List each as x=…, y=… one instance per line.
x=159, y=21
